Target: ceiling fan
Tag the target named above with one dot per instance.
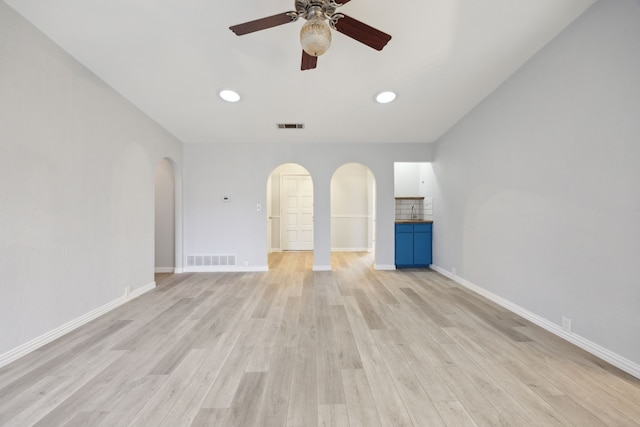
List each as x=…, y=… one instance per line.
x=315, y=35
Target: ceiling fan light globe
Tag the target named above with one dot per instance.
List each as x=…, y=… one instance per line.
x=315, y=37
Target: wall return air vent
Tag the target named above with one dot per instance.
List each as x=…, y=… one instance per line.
x=290, y=125
x=218, y=262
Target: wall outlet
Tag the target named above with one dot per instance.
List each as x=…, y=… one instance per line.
x=566, y=324
x=127, y=291
x=453, y=271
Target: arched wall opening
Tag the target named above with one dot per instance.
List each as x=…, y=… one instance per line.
x=165, y=217
x=353, y=209
x=289, y=209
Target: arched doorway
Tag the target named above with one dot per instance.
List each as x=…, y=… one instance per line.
x=165, y=220
x=289, y=209
x=353, y=209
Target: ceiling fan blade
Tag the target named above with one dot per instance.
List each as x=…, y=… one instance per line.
x=309, y=62
x=263, y=24
x=342, y=2
x=362, y=32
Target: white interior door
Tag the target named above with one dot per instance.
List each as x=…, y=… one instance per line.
x=297, y=213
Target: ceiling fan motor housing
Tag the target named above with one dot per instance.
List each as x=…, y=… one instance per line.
x=310, y=9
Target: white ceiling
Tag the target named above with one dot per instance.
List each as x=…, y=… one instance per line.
x=171, y=57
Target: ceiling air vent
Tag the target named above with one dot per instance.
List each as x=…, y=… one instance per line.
x=290, y=126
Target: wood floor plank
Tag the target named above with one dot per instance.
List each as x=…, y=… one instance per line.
x=31, y=377
x=544, y=413
x=590, y=376
x=273, y=412
x=471, y=370
x=592, y=400
x=303, y=404
x=361, y=408
x=132, y=402
x=368, y=312
x=333, y=416
x=391, y=408
x=160, y=402
x=14, y=405
x=476, y=404
x=427, y=373
x=226, y=383
x=573, y=411
x=421, y=325
x=86, y=419
x=416, y=400
x=261, y=356
x=188, y=403
x=429, y=310
x=268, y=298
x=423, y=338
x=329, y=382
x=157, y=325
x=66, y=389
x=288, y=332
x=347, y=351
x=247, y=400
x=454, y=414
x=208, y=417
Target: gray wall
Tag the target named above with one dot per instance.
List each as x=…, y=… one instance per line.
x=77, y=165
x=538, y=188
x=241, y=171
x=165, y=218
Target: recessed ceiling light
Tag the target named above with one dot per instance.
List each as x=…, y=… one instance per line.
x=385, y=97
x=229, y=95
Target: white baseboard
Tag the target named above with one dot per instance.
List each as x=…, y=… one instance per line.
x=322, y=268
x=56, y=333
x=258, y=269
x=384, y=267
x=178, y=270
x=164, y=270
x=350, y=250
x=616, y=360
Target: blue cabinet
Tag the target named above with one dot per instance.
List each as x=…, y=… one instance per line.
x=413, y=244
x=404, y=244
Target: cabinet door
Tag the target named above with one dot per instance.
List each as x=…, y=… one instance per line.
x=422, y=239
x=422, y=248
x=404, y=245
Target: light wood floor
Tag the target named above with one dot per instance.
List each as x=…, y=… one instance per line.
x=352, y=347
